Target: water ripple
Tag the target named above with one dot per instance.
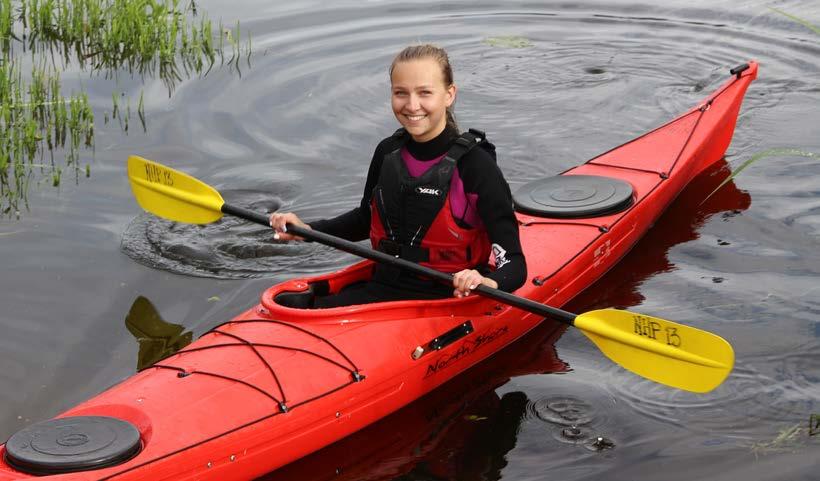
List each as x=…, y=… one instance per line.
x=751, y=399
x=230, y=248
x=298, y=130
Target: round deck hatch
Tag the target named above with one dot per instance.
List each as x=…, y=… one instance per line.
x=72, y=444
x=573, y=196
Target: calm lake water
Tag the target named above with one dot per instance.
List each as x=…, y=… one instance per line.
x=296, y=131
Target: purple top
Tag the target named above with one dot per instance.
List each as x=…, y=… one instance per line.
x=462, y=204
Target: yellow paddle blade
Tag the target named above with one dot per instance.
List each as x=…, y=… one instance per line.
x=172, y=194
x=664, y=351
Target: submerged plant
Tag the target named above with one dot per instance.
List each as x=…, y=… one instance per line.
x=146, y=37
x=788, y=439
x=797, y=19
x=35, y=117
x=779, y=152
x=150, y=38
x=508, y=42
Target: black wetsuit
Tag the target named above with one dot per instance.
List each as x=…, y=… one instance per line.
x=481, y=176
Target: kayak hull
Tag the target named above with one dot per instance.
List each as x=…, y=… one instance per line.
x=277, y=383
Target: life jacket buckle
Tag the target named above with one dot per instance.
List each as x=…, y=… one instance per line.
x=480, y=134
x=390, y=247
x=464, y=142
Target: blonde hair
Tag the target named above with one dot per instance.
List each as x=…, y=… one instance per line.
x=418, y=52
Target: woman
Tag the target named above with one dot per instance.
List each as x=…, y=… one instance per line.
x=432, y=196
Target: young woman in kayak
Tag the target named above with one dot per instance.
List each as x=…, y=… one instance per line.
x=432, y=195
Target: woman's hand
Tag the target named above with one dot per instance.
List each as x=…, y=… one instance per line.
x=467, y=280
x=279, y=223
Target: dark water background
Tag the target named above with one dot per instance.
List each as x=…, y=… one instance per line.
x=297, y=130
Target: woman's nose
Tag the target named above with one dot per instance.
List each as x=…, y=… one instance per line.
x=413, y=102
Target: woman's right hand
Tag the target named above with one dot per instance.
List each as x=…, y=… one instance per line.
x=279, y=221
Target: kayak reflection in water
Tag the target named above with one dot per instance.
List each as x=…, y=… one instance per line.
x=433, y=196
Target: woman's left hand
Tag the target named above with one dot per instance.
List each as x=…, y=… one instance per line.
x=467, y=280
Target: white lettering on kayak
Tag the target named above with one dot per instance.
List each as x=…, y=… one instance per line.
x=601, y=252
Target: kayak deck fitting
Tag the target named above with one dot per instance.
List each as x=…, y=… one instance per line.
x=279, y=381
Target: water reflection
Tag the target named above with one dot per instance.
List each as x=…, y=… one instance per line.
x=620, y=287
x=230, y=248
x=752, y=400
x=156, y=337
x=462, y=430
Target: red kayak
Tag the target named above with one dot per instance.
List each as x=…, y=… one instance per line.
x=281, y=381
x=465, y=428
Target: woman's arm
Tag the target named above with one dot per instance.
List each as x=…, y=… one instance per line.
x=481, y=176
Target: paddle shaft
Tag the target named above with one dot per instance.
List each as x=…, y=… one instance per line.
x=361, y=251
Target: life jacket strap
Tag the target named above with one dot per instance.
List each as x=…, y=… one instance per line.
x=410, y=253
x=464, y=143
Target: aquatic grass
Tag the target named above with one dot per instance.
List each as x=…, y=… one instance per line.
x=165, y=39
x=789, y=438
x=508, y=42
x=6, y=27
x=141, y=112
x=797, y=19
x=145, y=37
x=778, y=152
x=34, y=117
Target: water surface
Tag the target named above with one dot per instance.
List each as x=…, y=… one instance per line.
x=296, y=131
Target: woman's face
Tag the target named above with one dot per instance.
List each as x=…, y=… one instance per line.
x=420, y=98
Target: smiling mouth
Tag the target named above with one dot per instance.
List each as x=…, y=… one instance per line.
x=415, y=118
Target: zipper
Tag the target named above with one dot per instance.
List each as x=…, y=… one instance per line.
x=384, y=215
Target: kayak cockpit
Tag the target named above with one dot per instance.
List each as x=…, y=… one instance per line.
x=292, y=301
x=301, y=293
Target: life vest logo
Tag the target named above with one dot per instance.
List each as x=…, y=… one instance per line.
x=428, y=191
x=500, y=255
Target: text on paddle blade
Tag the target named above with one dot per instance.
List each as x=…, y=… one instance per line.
x=158, y=175
x=652, y=329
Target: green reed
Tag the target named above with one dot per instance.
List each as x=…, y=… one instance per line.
x=164, y=39
x=797, y=19
x=789, y=439
x=6, y=23
x=34, y=117
x=508, y=42
x=777, y=152
x=145, y=37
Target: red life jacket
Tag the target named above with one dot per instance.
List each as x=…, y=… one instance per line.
x=411, y=217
